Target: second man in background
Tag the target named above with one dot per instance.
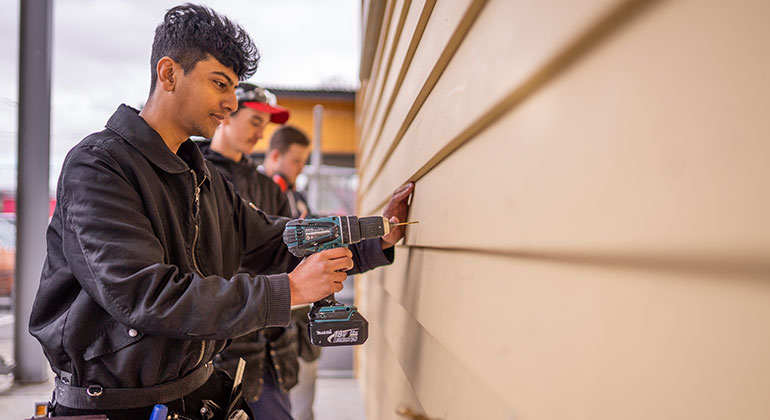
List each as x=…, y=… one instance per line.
x=270, y=354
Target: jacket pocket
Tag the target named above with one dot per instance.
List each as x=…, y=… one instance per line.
x=113, y=338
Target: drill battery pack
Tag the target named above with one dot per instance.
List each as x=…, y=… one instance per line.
x=337, y=325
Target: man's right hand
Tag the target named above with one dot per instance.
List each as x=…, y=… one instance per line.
x=319, y=275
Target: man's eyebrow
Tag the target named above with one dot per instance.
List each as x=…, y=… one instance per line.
x=223, y=74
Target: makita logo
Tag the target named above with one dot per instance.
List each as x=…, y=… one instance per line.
x=344, y=336
x=323, y=332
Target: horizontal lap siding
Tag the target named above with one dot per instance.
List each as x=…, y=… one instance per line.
x=397, y=13
x=560, y=340
x=440, y=98
x=415, y=22
x=365, y=94
x=446, y=25
x=593, y=195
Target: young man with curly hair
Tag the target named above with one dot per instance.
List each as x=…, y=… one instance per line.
x=140, y=287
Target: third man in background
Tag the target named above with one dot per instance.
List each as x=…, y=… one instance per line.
x=286, y=157
x=284, y=161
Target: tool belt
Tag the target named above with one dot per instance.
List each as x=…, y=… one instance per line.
x=94, y=397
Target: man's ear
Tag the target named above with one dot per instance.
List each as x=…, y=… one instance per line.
x=167, y=73
x=273, y=155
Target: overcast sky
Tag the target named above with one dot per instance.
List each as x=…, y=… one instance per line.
x=101, y=53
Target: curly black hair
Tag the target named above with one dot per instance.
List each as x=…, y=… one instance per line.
x=189, y=33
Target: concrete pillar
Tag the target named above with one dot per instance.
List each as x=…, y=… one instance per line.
x=32, y=192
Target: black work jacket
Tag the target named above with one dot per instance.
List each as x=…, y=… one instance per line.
x=140, y=284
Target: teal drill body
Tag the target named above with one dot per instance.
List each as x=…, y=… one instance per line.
x=333, y=323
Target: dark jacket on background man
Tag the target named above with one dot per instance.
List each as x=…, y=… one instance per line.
x=140, y=285
x=297, y=201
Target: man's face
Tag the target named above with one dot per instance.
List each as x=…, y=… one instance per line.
x=292, y=162
x=245, y=128
x=205, y=96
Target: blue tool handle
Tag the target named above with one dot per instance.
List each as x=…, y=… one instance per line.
x=159, y=412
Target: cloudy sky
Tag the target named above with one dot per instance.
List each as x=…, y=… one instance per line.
x=101, y=51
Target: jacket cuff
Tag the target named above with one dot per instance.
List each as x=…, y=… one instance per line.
x=279, y=301
x=390, y=254
x=375, y=255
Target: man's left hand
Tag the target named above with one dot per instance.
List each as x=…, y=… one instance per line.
x=396, y=211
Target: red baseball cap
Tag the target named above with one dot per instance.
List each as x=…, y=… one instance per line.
x=261, y=99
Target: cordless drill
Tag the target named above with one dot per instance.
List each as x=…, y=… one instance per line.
x=333, y=323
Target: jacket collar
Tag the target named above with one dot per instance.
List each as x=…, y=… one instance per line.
x=127, y=123
x=246, y=163
x=213, y=156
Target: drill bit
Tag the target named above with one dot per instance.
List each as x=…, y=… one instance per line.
x=392, y=225
x=388, y=226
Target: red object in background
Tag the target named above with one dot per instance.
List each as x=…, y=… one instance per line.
x=9, y=205
x=8, y=253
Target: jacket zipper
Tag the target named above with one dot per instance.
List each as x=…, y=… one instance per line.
x=195, y=242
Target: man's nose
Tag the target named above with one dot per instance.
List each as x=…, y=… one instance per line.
x=231, y=102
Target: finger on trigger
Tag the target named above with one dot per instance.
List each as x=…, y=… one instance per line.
x=335, y=253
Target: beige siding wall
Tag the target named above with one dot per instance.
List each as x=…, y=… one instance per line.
x=593, y=190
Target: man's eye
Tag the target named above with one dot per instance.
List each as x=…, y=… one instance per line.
x=219, y=84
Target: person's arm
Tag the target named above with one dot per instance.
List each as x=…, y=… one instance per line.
x=261, y=235
x=366, y=255
x=120, y=263
x=113, y=252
